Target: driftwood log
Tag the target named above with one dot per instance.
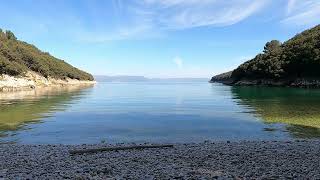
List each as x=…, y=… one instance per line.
x=82, y=151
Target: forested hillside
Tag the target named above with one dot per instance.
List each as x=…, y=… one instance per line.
x=18, y=57
x=298, y=57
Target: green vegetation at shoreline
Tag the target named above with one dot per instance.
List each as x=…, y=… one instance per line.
x=292, y=106
x=18, y=57
x=297, y=58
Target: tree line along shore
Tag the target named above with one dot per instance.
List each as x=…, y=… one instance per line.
x=295, y=62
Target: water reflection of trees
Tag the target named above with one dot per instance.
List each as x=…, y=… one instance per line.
x=19, y=108
x=298, y=108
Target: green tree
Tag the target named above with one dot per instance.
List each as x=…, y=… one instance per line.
x=272, y=46
x=10, y=35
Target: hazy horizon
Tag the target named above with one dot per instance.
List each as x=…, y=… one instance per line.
x=127, y=78
x=150, y=77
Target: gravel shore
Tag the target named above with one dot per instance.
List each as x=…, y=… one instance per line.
x=207, y=160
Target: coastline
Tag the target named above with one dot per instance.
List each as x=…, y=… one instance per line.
x=218, y=160
x=296, y=83
x=33, y=80
x=226, y=79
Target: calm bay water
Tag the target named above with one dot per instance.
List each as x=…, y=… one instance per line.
x=158, y=112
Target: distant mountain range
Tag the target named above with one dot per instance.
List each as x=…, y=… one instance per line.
x=102, y=78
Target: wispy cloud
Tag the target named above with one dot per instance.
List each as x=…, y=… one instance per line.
x=302, y=13
x=121, y=33
x=178, y=61
x=150, y=18
x=183, y=14
x=291, y=6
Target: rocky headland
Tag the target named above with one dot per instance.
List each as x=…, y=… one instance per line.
x=227, y=79
x=32, y=80
x=294, y=63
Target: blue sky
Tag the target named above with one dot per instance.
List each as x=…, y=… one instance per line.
x=156, y=38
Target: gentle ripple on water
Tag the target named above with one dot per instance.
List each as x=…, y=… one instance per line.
x=158, y=112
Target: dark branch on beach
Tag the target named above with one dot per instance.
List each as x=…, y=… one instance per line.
x=82, y=151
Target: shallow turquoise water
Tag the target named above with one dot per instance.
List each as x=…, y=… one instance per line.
x=159, y=112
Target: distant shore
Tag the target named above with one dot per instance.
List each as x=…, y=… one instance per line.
x=226, y=79
x=225, y=160
x=299, y=83
x=33, y=80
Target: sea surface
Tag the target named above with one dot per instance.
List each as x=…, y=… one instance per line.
x=116, y=112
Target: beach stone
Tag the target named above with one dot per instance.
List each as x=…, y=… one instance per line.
x=218, y=160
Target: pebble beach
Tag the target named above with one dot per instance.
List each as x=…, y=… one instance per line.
x=208, y=160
